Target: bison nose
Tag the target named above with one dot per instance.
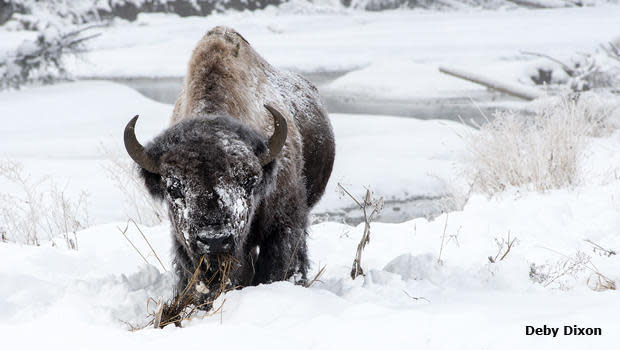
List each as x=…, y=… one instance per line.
x=222, y=244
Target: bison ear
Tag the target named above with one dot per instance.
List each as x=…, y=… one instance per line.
x=153, y=183
x=278, y=139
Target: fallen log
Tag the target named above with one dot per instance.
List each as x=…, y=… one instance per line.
x=517, y=90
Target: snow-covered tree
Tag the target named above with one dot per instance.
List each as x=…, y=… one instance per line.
x=41, y=60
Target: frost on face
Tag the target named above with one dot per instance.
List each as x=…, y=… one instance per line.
x=211, y=212
x=178, y=208
x=233, y=199
x=227, y=218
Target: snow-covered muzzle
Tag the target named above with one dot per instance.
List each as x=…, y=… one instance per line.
x=209, y=220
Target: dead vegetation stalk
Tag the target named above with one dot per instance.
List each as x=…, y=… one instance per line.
x=367, y=203
x=443, y=236
x=316, y=277
x=186, y=304
x=503, y=248
x=292, y=257
x=124, y=232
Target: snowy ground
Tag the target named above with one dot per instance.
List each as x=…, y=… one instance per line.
x=55, y=297
x=82, y=299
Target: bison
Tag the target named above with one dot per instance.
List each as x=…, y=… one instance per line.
x=248, y=153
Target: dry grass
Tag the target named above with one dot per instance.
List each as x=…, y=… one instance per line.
x=124, y=233
x=570, y=267
x=443, y=239
x=292, y=257
x=36, y=208
x=139, y=203
x=195, y=300
x=600, y=283
x=316, y=277
x=599, y=250
x=189, y=303
x=539, y=152
x=560, y=272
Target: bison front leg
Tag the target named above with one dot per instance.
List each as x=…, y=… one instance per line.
x=282, y=255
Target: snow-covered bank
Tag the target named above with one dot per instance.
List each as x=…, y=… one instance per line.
x=396, y=158
x=159, y=45
x=377, y=48
x=390, y=57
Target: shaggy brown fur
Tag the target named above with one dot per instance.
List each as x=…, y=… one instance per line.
x=227, y=76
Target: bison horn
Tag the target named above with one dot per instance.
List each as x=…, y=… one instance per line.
x=135, y=149
x=276, y=141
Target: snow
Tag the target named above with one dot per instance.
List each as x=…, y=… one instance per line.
x=86, y=297
x=427, y=155
x=428, y=283
x=160, y=45
x=70, y=131
x=100, y=110
x=383, y=79
x=72, y=298
x=375, y=48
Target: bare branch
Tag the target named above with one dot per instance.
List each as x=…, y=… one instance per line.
x=503, y=248
x=613, y=51
x=565, y=66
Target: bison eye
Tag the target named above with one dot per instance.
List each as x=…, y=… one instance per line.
x=249, y=184
x=175, y=188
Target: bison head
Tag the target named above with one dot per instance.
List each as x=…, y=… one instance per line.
x=212, y=172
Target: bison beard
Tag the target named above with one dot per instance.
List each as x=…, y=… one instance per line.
x=239, y=180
